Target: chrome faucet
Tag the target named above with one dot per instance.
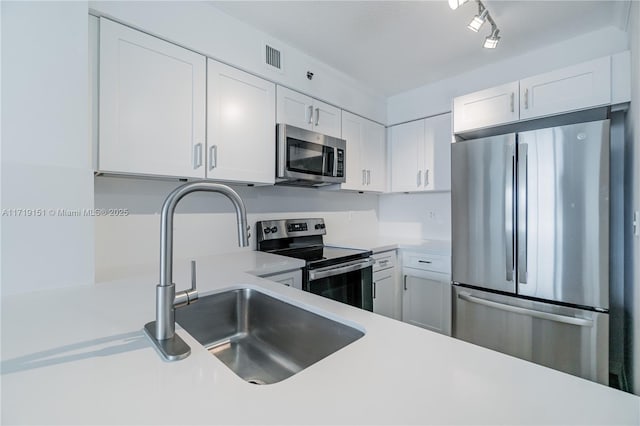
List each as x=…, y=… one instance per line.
x=162, y=331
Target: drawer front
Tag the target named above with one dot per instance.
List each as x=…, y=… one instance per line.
x=427, y=262
x=384, y=260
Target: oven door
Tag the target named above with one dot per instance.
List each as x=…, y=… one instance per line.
x=350, y=283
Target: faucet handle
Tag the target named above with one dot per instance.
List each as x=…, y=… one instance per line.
x=186, y=297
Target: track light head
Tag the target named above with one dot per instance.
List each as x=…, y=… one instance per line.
x=492, y=40
x=478, y=20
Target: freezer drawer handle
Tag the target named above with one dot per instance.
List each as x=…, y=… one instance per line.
x=332, y=270
x=523, y=311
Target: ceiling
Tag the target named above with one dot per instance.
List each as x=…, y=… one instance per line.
x=393, y=46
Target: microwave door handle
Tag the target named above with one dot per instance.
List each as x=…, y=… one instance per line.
x=333, y=271
x=335, y=162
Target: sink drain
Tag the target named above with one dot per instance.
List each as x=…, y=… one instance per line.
x=256, y=382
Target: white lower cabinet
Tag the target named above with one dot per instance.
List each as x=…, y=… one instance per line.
x=289, y=278
x=385, y=285
x=426, y=296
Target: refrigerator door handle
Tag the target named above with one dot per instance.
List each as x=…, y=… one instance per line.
x=522, y=213
x=524, y=311
x=508, y=213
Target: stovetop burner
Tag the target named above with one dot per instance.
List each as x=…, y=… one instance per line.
x=302, y=239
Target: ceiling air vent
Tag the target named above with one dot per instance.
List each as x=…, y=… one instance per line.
x=273, y=57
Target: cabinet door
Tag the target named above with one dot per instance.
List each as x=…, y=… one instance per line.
x=407, y=143
x=577, y=87
x=353, y=132
x=426, y=303
x=240, y=126
x=294, y=108
x=152, y=105
x=490, y=107
x=384, y=293
x=374, y=149
x=327, y=119
x=438, y=153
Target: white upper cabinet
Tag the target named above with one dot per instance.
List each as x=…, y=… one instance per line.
x=580, y=86
x=152, y=105
x=240, y=126
x=305, y=112
x=489, y=107
x=365, y=154
x=421, y=155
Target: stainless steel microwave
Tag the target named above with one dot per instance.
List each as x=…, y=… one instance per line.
x=307, y=158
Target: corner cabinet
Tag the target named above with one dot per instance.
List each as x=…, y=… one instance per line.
x=240, y=126
x=365, y=157
x=303, y=111
x=152, y=105
x=421, y=155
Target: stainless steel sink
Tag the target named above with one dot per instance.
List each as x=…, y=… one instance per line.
x=262, y=339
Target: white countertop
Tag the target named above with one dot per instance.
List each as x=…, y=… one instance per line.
x=378, y=244
x=79, y=356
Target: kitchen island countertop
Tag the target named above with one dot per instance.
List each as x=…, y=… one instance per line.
x=79, y=356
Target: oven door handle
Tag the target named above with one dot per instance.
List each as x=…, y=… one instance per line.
x=331, y=271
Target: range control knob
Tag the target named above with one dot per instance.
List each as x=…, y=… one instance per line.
x=274, y=229
x=317, y=226
x=267, y=230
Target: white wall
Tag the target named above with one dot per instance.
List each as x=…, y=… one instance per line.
x=426, y=216
x=45, y=150
x=205, y=29
x=205, y=223
x=436, y=98
x=632, y=183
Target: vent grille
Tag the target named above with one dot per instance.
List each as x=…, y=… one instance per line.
x=272, y=57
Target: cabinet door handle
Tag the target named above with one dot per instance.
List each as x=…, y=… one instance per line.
x=405, y=283
x=310, y=114
x=513, y=101
x=364, y=177
x=424, y=261
x=419, y=178
x=197, y=156
x=317, y=116
x=213, y=157
x=426, y=177
x=374, y=289
x=368, y=177
x=526, y=98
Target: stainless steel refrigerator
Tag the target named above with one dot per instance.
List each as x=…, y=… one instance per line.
x=530, y=246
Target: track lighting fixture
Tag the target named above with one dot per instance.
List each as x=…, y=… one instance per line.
x=491, y=41
x=478, y=20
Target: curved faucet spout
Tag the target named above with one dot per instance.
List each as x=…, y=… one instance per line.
x=162, y=330
x=166, y=221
